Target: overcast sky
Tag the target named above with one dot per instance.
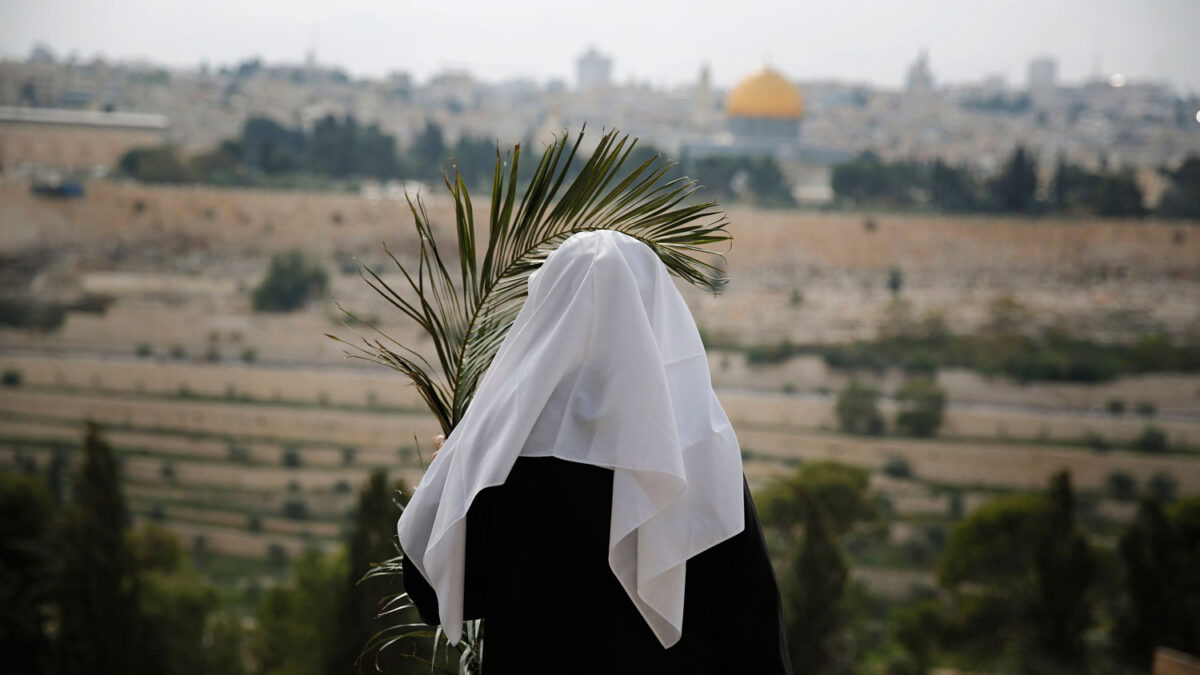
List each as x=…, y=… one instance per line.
x=664, y=42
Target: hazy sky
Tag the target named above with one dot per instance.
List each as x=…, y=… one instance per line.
x=660, y=41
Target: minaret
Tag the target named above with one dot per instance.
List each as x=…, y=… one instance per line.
x=702, y=101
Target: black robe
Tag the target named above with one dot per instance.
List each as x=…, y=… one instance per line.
x=537, y=571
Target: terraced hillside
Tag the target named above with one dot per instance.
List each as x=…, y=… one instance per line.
x=269, y=467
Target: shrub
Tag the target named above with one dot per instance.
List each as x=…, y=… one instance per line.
x=858, y=409
x=1121, y=485
x=239, y=454
x=956, y=507
x=1115, y=407
x=922, y=403
x=160, y=164
x=897, y=467
x=293, y=486
x=296, y=509
x=12, y=378
x=254, y=524
x=213, y=354
x=144, y=349
x=343, y=487
x=1095, y=441
x=277, y=555
x=292, y=280
x=178, y=352
x=200, y=552
x=93, y=303
x=291, y=458
x=1152, y=439
x=769, y=354
x=249, y=355
x=1162, y=487
x=1146, y=409
x=348, y=455
x=167, y=471
x=34, y=314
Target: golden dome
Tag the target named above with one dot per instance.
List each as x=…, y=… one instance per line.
x=765, y=94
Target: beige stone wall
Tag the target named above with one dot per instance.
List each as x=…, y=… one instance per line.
x=70, y=147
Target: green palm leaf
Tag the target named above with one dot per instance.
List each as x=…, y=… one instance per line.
x=467, y=315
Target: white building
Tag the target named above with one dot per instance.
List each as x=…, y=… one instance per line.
x=594, y=70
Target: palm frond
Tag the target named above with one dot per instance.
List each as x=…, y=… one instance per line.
x=467, y=315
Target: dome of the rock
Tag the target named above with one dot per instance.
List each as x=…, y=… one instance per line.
x=765, y=94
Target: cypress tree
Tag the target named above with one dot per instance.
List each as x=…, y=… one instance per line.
x=371, y=541
x=1160, y=551
x=1064, y=567
x=25, y=515
x=96, y=584
x=813, y=593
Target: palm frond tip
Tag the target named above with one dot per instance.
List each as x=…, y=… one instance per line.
x=467, y=315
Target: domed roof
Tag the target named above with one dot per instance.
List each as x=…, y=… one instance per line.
x=765, y=93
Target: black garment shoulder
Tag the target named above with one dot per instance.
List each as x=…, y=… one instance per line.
x=537, y=571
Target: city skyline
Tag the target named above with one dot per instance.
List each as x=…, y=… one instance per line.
x=868, y=41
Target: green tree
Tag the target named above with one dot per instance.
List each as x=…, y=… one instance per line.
x=96, y=588
x=867, y=180
x=1073, y=187
x=1065, y=568
x=474, y=158
x=1118, y=195
x=1014, y=188
x=840, y=489
x=1159, y=553
x=154, y=165
x=922, y=403
x=298, y=621
x=292, y=280
x=916, y=631
x=25, y=517
x=755, y=179
x=179, y=607
x=953, y=188
x=375, y=154
x=1021, y=566
x=271, y=147
x=1182, y=198
x=811, y=510
x=858, y=409
x=332, y=148
x=371, y=540
x=427, y=155
x=218, y=166
x=812, y=592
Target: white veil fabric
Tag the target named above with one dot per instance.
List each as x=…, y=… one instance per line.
x=603, y=365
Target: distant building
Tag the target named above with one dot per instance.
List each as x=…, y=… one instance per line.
x=702, y=112
x=764, y=110
x=764, y=113
x=1043, y=74
x=73, y=139
x=920, y=77
x=594, y=70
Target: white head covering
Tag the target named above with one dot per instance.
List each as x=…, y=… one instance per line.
x=604, y=366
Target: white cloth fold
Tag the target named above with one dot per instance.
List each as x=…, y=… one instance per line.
x=603, y=365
